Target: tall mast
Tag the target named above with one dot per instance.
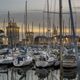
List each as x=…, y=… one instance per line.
x=32, y=27
x=72, y=21
x=48, y=19
x=28, y=29
x=60, y=24
x=73, y=29
x=22, y=29
x=25, y=22
x=63, y=28
x=53, y=25
x=8, y=17
x=39, y=28
x=32, y=33
x=26, y=16
x=43, y=25
x=69, y=26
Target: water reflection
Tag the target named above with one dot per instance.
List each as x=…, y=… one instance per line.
x=30, y=73
x=69, y=74
x=42, y=73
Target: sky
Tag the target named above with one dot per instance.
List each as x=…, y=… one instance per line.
x=19, y=5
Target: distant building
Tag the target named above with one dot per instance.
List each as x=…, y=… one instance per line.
x=41, y=40
x=55, y=32
x=29, y=38
x=12, y=33
x=3, y=38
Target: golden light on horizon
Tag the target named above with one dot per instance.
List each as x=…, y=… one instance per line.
x=66, y=30
x=78, y=30
x=36, y=28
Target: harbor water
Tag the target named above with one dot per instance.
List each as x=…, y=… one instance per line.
x=31, y=73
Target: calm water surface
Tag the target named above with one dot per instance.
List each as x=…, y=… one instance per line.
x=29, y=73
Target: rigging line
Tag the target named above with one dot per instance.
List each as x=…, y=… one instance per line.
x=58, y=12
x=26, y=15
x=43, y=25
x=50, y=9
x=43, y=12
x=48, y=19
x=51, y=5
x=72, y=19
x=44, y=5
x=69, y=26
x=53, y=25
x=63, y=26
x=54, y=13
x=75, y=15
x=75, y=21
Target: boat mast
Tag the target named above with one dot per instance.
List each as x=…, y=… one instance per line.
x=33, y=32
x=22, y=30
x=28, y=28
x=8, y=18
x=60, y=24
x=53, y=25
x=26, y=15
x=39, y=28
x=48, y=20
x=73, y=30
x=63, y=27
x=43, y=25
x=72, y=23
x=32, y=28
x=69, y=26
x=26, y=21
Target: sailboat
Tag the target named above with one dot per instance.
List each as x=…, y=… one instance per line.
x=22, y=60
x=44, y=60
x=3, y=50
x=70, y=59
x=6, y=59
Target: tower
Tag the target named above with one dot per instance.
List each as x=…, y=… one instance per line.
x=12, y=32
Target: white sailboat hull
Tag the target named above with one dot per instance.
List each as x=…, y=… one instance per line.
x=6, y=61
x=44, y=63
x=69, y=64
x=69, y=61
x=22, y=63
